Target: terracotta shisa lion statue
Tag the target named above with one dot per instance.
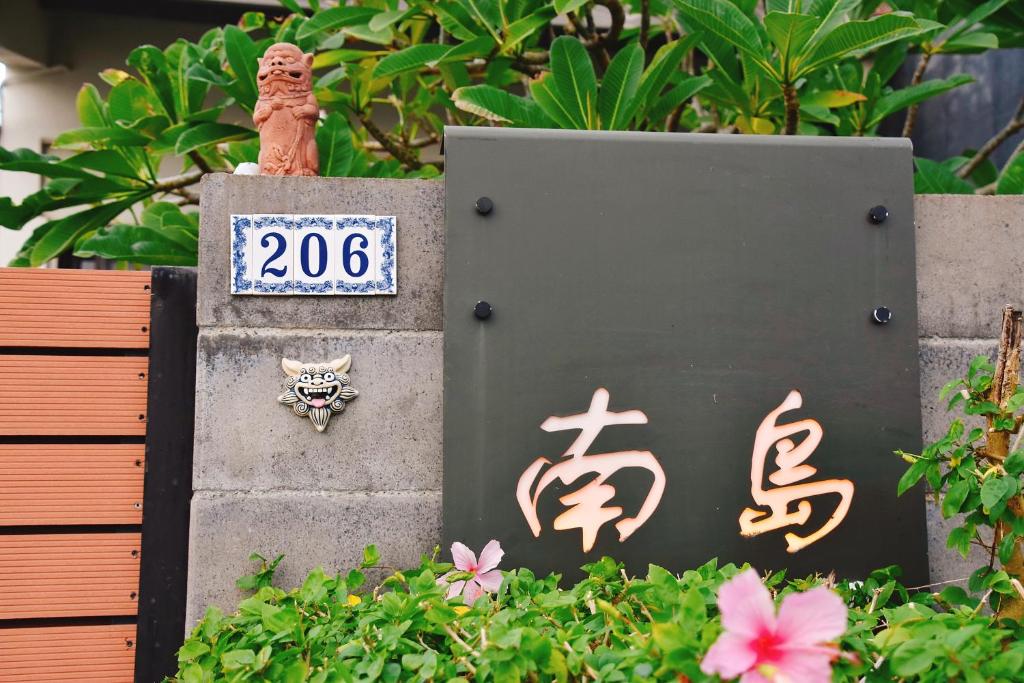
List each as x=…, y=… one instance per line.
x=286, y=112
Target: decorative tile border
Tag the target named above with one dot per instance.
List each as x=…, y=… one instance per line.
x=283, y=254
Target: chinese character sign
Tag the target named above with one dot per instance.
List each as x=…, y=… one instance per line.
x=790, y=459
x=680, y=362
x=586, y=510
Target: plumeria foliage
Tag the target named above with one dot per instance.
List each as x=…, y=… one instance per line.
x=608, y=626
x=821, y=67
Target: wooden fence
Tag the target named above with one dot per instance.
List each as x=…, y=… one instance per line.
x=75, y=390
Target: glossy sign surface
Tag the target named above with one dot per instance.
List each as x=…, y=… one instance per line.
x=680, y=362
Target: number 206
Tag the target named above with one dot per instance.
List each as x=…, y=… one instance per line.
x=314, y=255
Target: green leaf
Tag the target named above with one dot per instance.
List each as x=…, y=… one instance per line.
x=970, y=43
x=521, y=29
x=665, y=62
x=616, y=102
x=500, y=106
x=566, y=6
x=381, y=21
x=905, y=97
x=726, y=22
x=64, y=231
x=1007, y=546
x=210, y=133
x=912, y=475
x=914, y=656
x=1014, y=464
x=86, y=138
x=575, y=85
x=855, y=37
x=151, y=64
x=995, y=490
x=789, y=33
x=831, y=99
x=1011, y=180
x=955, y=497
x=130, y=100
x=334, y=142
x=236, y=659
x=335, y=18
x=544, y=93
x=242, y=55
x=409, y=59
x=934, y=178
x=92, y=111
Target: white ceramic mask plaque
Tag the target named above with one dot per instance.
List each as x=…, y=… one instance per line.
x=313, y=254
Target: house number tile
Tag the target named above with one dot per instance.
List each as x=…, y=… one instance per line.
x=313, y=254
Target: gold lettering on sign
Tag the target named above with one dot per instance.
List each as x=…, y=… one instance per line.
x=586, y=509
x=790, y=460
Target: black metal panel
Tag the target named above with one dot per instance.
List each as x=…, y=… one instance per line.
x=698, y=279
x=168, y=481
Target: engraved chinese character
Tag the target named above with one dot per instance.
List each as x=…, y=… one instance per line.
x=790, y=459
x=585, y=505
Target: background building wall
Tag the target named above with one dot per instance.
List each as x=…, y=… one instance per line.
x=266, y=482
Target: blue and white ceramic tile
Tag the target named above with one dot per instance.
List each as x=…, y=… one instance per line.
x=312, y=262
x=387, y=255
x=241, y=255
x=355, y=252
x=272, y=240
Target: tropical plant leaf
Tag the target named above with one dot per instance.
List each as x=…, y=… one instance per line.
x=726, y=22
x=410, y=59
x=575, y=85
x=334, y=142
x=242, y=55
x=87, y=138
x=855, y=37
x=138, y=244
x=831, y=99
x=63, y=232
x=913, y=94
x=789, y=33
x=151, y=64
x=208, y=134
x=616, y=101
x=566, y=6
x=934, y=178
x=521, y=29
x=92, y=110
x=664, y=63
x=500, y=106
x=335, y=18
x=971, y=43
x=1011, y=180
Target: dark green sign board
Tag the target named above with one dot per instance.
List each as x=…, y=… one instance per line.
x=680, y=354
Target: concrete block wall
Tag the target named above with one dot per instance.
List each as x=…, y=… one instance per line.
x=264, y=481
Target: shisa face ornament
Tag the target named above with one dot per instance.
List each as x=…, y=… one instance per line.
x=318, y=390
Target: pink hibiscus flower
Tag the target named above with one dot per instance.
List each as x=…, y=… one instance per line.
x=485, y=575
x=792, y=647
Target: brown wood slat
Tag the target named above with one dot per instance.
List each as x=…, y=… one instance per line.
x=73, y=395
x=41, y=575
x=54, y=308
x=68, y=653
x=71, y=483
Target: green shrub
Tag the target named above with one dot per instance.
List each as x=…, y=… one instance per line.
x=607, y=627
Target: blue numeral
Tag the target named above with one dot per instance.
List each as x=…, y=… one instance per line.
x=321, y=251
x=282, y=243
x=347, y=254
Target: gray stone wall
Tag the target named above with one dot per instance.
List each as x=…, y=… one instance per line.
x=265, y=482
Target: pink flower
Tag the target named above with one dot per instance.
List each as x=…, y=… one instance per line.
x=792, y=647
x=485, y=576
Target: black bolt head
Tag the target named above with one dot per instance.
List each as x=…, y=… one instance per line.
x=482, y=310
x=881, y=315
x=878, y=214
x=484, y=206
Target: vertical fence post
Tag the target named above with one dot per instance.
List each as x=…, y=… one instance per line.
x=168, y=479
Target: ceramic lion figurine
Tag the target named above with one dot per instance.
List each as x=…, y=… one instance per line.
x=286, y=112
